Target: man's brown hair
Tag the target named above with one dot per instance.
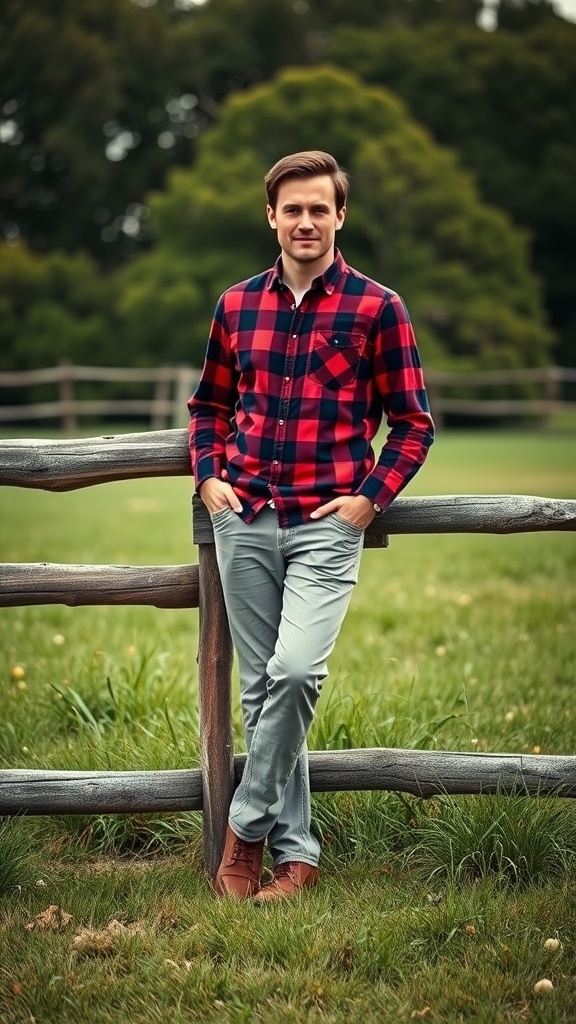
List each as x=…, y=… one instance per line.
x=308, y=164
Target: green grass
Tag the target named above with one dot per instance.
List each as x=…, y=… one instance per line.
x=427, y=909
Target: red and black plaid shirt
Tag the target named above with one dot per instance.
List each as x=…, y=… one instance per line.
x=290, y=397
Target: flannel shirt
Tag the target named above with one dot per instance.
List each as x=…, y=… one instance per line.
x=291, y=397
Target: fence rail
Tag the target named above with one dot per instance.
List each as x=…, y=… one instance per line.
x=424, y=773
x=75, y=463
x=173, y=385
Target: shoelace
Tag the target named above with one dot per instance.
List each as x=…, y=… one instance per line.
x=283, y=870
x=243, y=851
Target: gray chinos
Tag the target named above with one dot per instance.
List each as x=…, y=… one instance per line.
x=286, y=592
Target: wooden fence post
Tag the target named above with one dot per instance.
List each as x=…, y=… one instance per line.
x=66, y=394
x=215, y=655
x=186, y=380
x=551, y=395
x=159, y=417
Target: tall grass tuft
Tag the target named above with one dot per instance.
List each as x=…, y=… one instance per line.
x=16, y=855
x=518, y=840
x=142, y=835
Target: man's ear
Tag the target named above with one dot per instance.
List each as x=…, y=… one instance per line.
x=340, y=218
x=270, y=213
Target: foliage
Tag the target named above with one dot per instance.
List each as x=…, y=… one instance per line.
x=507, y=103
x=161, y=307
x=101, y=99
x=516, y=840
x=17, y=847
x=91, y=93
x=415, y=221
x=53, y=308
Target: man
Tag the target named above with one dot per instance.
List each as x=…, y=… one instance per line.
x=302, y=362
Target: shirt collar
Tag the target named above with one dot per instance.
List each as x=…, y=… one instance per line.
x=327, y=281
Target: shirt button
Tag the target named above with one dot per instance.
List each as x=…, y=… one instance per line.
x=281, y=422
x=286, y=378
x=294, y=335
x=275, y=462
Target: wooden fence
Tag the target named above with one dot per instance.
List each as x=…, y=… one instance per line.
x=71, y=464
x=551, y=384
x=165, y=407
x=451, y=394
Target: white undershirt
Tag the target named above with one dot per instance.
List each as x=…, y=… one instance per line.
x=298, y=296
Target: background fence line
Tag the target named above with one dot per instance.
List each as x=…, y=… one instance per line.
x=75, y=463
x=173, y=385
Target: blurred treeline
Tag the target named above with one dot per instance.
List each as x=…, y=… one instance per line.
x=134, y=136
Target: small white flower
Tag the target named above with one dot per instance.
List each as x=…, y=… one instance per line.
x=58, y=639
x=552, y=944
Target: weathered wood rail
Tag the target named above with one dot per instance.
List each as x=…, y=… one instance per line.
x=423, y=773
x=75, y=463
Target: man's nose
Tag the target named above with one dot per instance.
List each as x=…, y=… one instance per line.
x=306, y=221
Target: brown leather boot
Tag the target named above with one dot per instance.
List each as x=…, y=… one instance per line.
x=289, y=879
x=240, y=867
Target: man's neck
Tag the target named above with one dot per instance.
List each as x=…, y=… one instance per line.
x=299, y=276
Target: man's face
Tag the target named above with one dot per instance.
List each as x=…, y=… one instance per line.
x=305, y=218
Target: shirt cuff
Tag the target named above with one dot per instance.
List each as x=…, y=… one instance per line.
x=206, y=467
x=376, y=492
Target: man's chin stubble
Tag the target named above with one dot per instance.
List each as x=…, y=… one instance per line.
x=308, y=257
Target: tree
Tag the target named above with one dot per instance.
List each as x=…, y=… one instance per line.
x=96, y=105
x=507, y=103
x=415, y=219
x=54, y=307
x=100, y=97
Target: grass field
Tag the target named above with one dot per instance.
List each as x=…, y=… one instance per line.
x=427, y=909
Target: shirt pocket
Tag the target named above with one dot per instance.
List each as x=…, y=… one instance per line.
x=334, y=358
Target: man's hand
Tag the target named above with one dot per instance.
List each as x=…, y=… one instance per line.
x=217, y=494
x=355, y=508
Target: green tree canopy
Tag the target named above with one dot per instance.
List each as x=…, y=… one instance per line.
x=54, y=307
x=100, y=98
x=507, y=103
x=96, y=104
x=415, y=221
